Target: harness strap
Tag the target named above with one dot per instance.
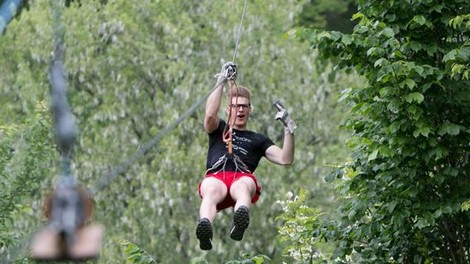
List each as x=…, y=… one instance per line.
x=228, y=129
x=222, y=160
x=239, y=164
x=243, y=166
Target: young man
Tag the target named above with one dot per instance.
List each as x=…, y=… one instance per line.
x=229, y=181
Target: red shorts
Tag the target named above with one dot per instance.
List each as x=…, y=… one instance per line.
x=229, y=177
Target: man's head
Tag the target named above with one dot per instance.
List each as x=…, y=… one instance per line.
x=239, y=108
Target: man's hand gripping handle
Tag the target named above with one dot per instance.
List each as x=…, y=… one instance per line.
x=284, y=117
x=228, y=72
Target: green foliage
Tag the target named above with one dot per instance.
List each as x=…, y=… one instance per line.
x=299, y=224
x=135, y=254
x=401, y=195
x=328, y=14
x=246, y=259
x=466, y=205
x=26, y=152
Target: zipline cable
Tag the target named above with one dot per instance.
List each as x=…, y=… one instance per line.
x=237, y=43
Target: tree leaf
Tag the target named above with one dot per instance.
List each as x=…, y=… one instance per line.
x=414, y=97
x=373, y=155
x=450, y=129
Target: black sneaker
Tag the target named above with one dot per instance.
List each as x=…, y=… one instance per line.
x=241, y=220
x=204, y=234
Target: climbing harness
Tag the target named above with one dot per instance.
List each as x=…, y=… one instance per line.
x=219, y=165
x=69, y=207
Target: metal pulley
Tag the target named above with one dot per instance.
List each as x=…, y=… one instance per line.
x=231, y=72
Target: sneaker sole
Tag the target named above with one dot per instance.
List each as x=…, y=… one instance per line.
x=241, y=220
x=204, y=234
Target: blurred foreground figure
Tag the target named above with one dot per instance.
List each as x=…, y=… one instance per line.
x=67, y=237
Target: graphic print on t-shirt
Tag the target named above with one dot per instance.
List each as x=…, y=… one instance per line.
x=238, y=146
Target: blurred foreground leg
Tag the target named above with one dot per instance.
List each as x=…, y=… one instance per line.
x=49, y=245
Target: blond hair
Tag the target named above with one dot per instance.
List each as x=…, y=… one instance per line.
x=239, y=91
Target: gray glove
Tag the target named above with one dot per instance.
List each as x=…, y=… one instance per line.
x=284, y=117
x=228, y=72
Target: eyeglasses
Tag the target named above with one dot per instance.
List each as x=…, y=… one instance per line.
x=243, y=106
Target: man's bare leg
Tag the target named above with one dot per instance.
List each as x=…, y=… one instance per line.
x=242, y=192
x=213, y=191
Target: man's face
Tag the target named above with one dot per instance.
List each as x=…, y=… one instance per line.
x=239, y=110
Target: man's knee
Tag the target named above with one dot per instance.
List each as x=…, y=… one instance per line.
x=213, y=188
x=243, y=186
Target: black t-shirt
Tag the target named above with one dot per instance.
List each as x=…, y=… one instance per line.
x=249, y=146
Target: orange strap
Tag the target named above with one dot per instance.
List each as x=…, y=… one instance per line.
x=227, y=134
